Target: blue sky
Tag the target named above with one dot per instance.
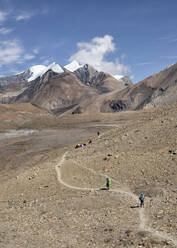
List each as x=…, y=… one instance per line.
x=130, y=37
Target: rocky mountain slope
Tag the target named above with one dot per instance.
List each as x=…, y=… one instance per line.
x=57, y=93
x=23, y=76
x=57, y=89
x=100, y=80
x=80, y=88
x=157, y=90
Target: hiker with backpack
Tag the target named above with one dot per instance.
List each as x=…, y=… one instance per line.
x=141, y=198
x=108, y=183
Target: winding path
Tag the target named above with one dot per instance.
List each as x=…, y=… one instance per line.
x=143, y=218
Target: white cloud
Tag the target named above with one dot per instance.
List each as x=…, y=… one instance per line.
x=10, y=51
x=94, y=53
x=5, y=31
x=23, y=16
x=3, y=16
x=29, y=56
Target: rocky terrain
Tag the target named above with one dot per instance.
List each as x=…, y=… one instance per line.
x=53, y=195
x=101, y=81
x=157, y=90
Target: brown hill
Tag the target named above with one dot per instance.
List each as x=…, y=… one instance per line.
x=157, y=90
x=57, y=93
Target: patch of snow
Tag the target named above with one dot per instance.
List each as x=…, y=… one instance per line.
x=18, y=73
x=55, y=67
x=36, y=71
x=39, y=70
x=73, y=66
x=118, y=77
x=169, y=66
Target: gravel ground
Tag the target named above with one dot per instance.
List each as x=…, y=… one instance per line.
x=140, y=155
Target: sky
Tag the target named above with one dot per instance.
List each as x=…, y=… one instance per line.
x=136, y=38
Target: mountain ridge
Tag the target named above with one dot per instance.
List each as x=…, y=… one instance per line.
x=58, y=90
x=35, y=84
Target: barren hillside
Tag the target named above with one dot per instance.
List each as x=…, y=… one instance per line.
x=156, y=90
x=52, y=195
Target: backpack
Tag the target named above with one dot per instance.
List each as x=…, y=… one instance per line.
x=109, y=181
x=142, y=197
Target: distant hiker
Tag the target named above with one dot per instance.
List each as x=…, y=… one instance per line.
x=108, y=183
x=98, y=133
x=141, y=198
x=79, y=145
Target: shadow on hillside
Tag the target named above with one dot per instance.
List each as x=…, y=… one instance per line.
x=104, y=188
x=135, y=206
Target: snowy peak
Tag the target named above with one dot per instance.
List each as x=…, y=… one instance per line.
x=73, y=66
x=36, y=71
x=118, y=77
x=39, y=70
x=86, y=72
x=124, y=79
x=55, y=68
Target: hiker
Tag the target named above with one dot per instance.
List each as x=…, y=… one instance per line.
x=79, y=145
x=108, y=183
x=141, y=198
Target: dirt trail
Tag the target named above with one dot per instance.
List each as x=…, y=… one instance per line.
x=143, y=217
x=58, y=167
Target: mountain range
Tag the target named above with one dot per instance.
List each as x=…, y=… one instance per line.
x=77, y=88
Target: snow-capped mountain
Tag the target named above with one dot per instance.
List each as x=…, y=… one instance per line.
x=58, y=88
x=84, y=68
x=86, y=73
x=31, y=74
x=39, y=70
x=76, y=88
x=102, y=81
x=73, y=66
